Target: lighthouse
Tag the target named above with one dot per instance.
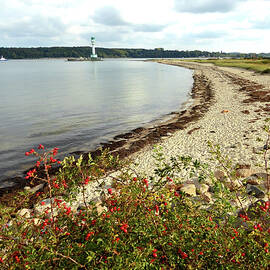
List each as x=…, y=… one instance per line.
x=93, y=55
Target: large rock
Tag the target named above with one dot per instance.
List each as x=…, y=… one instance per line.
x=235, y=185
x=100, y=207
x=26, y=213
x=44, y=205
x=203, y=188
x=34, y=189
x=255, y=191
x=189, y=189
x=207, y=197
x=252, y=180
x=232, y=184
x=256, y=179
x=244, y=172
x=220, y=175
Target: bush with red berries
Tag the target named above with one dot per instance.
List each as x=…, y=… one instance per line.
x=138, y=223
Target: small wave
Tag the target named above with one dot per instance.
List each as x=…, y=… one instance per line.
x=50, y=133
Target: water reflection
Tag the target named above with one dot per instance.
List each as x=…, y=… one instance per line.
x=76, y=105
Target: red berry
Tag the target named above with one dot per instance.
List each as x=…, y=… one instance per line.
x=40, y=146
x=184, y=255
x=110, y=191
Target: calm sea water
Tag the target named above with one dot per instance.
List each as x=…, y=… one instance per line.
x=77, y=105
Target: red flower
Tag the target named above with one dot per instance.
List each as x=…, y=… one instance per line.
x=1, y=260
x=110, y=191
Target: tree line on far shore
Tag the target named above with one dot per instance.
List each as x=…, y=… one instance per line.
x=65, y=52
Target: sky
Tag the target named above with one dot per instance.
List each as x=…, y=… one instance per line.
x=211, y=25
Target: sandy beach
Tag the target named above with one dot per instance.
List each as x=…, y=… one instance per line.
x=234, y=120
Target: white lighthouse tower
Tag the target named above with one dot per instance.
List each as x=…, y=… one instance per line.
x=93, y=55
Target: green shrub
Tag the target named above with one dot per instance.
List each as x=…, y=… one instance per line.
x=140, y=223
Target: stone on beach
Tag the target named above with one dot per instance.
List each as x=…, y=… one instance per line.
x=255, y=191
x=189, y=189
x=25, y=213
x=203, y=188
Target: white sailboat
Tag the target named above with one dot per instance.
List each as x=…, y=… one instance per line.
x=2, y=59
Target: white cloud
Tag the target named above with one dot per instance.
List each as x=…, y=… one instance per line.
x=173, y=24
x=205, y=6
x=108, y=15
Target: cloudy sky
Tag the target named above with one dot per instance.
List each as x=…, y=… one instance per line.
x=212, y=25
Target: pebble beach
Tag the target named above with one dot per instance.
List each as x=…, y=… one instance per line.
x=228, y=107
x=234, y=120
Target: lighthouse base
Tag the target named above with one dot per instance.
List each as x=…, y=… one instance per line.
x=85, y=59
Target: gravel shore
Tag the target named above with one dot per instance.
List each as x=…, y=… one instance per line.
x=234, y=120
x=229, y=108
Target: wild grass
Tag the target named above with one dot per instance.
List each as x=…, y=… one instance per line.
x=257, y=65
